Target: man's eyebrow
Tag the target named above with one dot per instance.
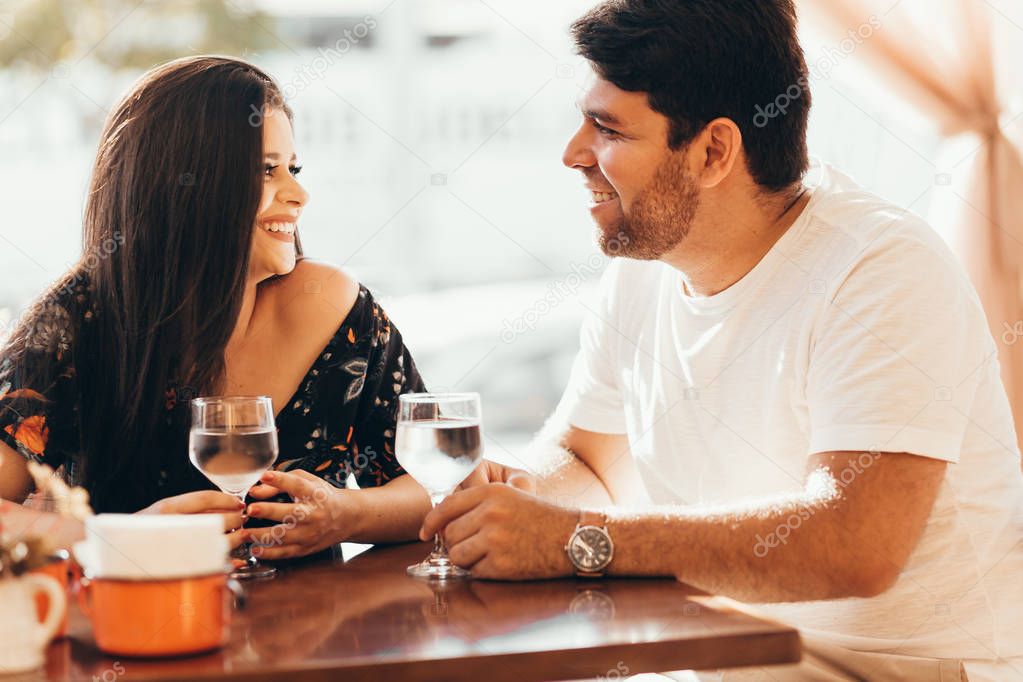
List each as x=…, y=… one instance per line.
x=605, y=116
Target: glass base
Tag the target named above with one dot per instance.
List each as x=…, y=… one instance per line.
x=437, y=567
x=253, y=570
x=259, y=571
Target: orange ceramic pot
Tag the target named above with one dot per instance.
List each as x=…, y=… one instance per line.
x=59, y=568
x=168, y=617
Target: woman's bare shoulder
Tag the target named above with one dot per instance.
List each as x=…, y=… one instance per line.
x=315, y=296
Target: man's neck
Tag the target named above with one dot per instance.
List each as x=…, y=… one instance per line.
x=737, y=240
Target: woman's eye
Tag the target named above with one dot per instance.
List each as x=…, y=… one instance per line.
x=269, y=170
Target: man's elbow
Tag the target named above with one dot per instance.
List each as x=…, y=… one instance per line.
x=867, y=578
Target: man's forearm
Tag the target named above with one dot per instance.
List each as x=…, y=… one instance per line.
x=566, y=480
x=789, y=550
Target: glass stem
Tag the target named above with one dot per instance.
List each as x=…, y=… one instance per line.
x=244, y=550
x=439, y=548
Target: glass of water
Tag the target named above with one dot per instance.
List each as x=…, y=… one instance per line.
x=438, y=443
x=232, y=441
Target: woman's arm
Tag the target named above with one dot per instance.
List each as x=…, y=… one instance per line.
x=17, y=521
x=322, y=515
x=393, y=512
x=15, y=482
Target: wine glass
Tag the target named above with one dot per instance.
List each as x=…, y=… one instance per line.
x=232, y=441
x=439, y=444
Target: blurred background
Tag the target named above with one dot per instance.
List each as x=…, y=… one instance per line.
x=431, y=133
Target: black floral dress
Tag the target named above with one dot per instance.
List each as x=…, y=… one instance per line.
x=339, y=423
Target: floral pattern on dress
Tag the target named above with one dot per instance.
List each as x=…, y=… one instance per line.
x=39, y=421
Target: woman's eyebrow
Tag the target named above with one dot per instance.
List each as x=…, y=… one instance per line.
x=273, y=156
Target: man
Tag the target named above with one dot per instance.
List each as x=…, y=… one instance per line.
x=801, y=380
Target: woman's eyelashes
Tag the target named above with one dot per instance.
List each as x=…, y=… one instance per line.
x=270, y=168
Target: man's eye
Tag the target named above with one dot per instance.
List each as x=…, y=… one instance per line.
x=606, y=132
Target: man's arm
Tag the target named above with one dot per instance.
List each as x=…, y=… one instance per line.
x=847, y=534
x=595, y=469
x=572, y=467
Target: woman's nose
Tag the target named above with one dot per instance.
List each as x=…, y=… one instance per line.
x=294, y=193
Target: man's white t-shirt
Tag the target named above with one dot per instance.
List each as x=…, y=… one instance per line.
x=858, y=331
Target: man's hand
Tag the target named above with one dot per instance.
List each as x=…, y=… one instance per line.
x=502, y=533
x=312, y=522
x=492, y=472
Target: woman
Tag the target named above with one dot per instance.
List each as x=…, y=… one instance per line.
x=192, y=282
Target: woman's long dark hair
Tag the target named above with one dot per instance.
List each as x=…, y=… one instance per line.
x=176, y=184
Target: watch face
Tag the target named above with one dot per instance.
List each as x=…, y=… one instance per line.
x=590, y=549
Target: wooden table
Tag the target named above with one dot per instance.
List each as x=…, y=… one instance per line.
x=366, y=620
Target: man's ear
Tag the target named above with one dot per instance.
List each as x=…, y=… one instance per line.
x=715, y=151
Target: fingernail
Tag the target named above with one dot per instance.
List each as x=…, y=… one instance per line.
x=253, y=509
x=267, y=476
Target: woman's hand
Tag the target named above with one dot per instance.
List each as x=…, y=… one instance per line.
x=306, y=525
x=492, y=472
x=229, y=507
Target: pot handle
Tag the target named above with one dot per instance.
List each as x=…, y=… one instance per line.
x=58, y=604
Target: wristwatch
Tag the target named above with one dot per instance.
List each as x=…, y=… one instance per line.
x=590, y=548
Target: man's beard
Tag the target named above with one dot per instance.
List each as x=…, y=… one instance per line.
x=660, y=216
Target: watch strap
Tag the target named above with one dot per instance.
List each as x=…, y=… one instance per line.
x=592, y=518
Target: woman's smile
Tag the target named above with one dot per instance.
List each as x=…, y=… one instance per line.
x=282, y=230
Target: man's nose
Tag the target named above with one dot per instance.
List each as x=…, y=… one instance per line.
x=578, y=153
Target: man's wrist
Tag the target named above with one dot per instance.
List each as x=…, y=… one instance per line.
x=590, y=549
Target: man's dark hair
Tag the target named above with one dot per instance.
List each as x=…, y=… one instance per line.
x=698, y=60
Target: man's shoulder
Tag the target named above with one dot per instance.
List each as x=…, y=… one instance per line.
x=862, y=233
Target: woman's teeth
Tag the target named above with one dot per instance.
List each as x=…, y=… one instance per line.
x=600, y=197
x=288, y=228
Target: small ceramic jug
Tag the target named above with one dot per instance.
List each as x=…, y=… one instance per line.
x=23, y=639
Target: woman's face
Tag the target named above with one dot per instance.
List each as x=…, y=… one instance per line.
x=273, y=246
